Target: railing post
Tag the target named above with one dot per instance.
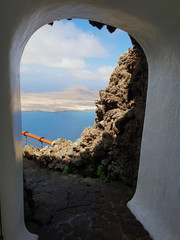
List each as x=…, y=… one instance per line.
x=24, y=133
x=41, y=141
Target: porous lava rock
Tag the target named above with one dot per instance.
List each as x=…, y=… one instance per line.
x=115, y=139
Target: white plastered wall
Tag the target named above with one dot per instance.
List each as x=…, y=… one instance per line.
x=155, y=25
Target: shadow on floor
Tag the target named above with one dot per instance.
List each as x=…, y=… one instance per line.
x=70, y=207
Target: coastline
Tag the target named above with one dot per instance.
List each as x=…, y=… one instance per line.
x=69, y=100
x=72, y=110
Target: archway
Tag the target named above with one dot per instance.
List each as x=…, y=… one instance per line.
x=127, y=98
x=21, y=37
x=131, y=66
x=149, y=24
x=117, y=112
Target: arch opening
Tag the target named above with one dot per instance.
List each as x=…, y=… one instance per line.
x=128, y=96
x=132, y=66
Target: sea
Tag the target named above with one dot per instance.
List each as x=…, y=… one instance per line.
x=53, y=125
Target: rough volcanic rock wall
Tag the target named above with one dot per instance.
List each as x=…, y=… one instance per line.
x=120, y=113
x=115, y=139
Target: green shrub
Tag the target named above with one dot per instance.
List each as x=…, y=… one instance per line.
x=65, y=170
x=101, y=174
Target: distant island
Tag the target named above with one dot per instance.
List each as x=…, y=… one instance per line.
x=71, y=99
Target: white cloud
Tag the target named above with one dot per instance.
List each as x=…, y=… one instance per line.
x=70, y=63
x=103, y=73
x=84, y=74
x=25, y=69
x=62, y=45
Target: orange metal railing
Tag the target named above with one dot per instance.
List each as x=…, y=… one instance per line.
x=40, y=139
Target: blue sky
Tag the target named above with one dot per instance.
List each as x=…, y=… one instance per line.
x=71, y=53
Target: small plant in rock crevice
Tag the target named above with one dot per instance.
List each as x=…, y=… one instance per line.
x=101, y=174
x=65, y=170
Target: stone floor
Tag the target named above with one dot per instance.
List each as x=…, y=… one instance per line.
x=70, y=207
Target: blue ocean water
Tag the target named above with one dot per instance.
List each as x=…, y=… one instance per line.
x=68, y=125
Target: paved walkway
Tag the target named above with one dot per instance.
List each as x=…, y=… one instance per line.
x=69, y=207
